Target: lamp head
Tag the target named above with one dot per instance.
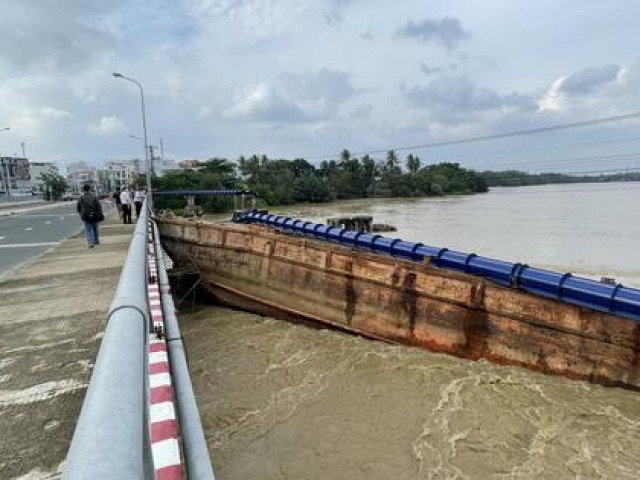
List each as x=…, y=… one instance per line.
x=117, y=75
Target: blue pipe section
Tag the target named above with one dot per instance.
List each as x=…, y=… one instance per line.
x=616, y=299
x=221, y=192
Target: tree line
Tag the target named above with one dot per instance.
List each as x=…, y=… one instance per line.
x=284, y=182
x=515, y=178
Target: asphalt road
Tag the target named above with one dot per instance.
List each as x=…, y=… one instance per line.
x=25, y=235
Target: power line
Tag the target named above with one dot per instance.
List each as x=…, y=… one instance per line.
x=517, y=133
x=561, y=161
x=553, y=147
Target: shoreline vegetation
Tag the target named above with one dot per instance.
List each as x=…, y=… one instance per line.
x=278, y=182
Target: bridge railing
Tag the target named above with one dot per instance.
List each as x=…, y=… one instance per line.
x=111, y=439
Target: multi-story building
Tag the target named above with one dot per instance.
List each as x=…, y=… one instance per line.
x=78, y=178
x=15, y=175
x=119, y=173
x=190, y=165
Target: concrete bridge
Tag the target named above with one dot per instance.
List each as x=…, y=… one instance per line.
x=65, y=340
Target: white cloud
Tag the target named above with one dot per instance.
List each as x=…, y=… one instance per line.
x=589, y=79
x=446, y=31
x=108, y=126
x=225, y=77
x=294, y=97
x=595, y=91
x=47, y=36
x=448, y=97
x=263, y=103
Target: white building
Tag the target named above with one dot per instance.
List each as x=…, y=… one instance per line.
x=119, y=173
x=160, y=166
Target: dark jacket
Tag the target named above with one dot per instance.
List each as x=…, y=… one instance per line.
x=89, y=208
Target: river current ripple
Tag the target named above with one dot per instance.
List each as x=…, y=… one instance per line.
x=282, y=401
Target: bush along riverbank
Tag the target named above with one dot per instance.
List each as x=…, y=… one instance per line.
x=285, y=182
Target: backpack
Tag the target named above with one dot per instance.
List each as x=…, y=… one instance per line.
x=88, y=212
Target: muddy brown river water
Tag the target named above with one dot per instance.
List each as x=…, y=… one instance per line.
x=283, y=401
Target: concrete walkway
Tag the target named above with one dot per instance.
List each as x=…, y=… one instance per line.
x=52, y=314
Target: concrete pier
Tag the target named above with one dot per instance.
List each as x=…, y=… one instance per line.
x=52, y=314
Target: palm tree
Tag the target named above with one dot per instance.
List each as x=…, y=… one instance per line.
x=413, y=163
x=345, y=156
x=392, y=160
x=218, y=165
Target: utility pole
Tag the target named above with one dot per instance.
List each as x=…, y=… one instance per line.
x=151, y=158
x=7, y=175
x=24, y=155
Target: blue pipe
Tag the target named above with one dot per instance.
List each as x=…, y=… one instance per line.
x=616, y=299
x=216, y=192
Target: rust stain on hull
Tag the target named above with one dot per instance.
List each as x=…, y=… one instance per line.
x=277, y=274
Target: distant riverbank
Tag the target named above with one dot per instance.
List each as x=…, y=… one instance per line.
x=588, y=229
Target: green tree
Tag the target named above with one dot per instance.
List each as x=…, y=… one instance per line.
x=392, y=160
x=283, y=182
x=54, y=185
x=413, y=163
x=345, y=156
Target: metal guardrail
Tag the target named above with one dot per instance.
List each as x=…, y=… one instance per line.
x=604, y=297
x=198, y=462
x=111, y=439
x=111, y=436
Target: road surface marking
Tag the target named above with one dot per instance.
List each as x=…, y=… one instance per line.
x=28, y=229
x=48, y=222
x=57, y=215
x=2, y=237
x=29, y=245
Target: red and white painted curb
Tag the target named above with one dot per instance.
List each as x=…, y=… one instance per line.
x=163, y=422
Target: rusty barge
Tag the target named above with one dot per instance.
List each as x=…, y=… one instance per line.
x=409, y=300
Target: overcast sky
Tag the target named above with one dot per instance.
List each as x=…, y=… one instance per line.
x=308, y=78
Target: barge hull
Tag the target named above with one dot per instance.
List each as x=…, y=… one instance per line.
x=293, y=277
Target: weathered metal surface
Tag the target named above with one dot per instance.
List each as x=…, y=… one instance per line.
x=401, y=301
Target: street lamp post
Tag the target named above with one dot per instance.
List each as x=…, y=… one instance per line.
x=144, y=126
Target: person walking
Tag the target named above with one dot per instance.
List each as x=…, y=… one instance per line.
x=125, y=199
x=116, y=197
x=138, y=200
x=91, y=214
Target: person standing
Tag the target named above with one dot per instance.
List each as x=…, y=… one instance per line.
x=125, y=199
x=138, y=200
x=90, y=212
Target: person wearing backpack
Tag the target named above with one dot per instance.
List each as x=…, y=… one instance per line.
x=91, y=214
